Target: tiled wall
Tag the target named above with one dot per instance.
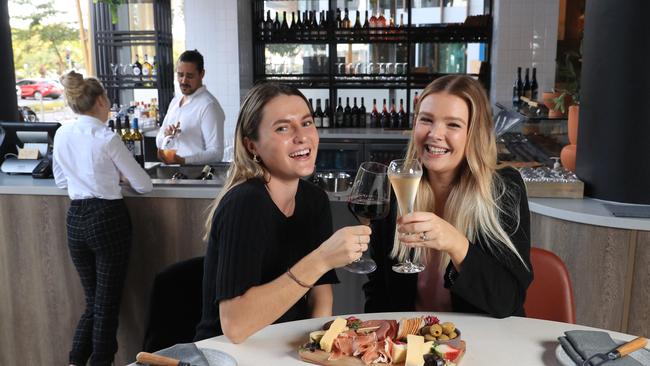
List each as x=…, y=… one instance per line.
x=525, y=34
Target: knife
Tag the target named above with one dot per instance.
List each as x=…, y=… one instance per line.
x=157, y=360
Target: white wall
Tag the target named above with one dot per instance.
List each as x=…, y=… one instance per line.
x=525, y=34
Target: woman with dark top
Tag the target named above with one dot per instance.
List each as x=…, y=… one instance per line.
x=271, y=251
x=89, y=160
x=471, y=225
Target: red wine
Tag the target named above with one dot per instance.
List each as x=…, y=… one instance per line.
x=369, y=209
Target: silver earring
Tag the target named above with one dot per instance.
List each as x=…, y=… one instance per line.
x=255, y=158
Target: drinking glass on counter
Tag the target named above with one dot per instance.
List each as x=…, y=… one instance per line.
x=404, y=176
x=369, y=200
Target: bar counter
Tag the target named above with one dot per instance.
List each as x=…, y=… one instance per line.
x=40, y=296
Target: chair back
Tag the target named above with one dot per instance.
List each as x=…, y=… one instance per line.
x=550, y=295
x=175, y=307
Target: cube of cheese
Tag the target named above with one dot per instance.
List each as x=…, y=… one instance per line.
x=399, y=353
x=330, y=335
x=414, y=354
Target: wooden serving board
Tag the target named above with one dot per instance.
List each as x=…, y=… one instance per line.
x=320, y=357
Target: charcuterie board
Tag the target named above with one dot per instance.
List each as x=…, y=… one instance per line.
x=421, y=341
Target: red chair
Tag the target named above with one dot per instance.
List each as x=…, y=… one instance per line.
x=550, y=295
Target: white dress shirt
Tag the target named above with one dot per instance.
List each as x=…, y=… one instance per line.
x=88, y=159
x=201, y=121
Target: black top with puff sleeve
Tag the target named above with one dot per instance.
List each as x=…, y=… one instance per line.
x=487, y=283
x=252, y=243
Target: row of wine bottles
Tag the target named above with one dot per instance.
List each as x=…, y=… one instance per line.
x=356, y=115
x=130, y=136
x=527, y=88
x=309, y=27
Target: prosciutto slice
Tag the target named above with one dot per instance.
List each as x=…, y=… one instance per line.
x=387, y=328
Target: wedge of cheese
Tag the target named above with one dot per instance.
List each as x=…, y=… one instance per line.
x=399, y=353
x=414, y=350
x=330, y=335
x=426, y=347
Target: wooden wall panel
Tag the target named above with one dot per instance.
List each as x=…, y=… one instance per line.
x=597, y=260
x=639, y=319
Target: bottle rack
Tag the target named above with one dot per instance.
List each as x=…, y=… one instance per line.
x=475, y=29
x=110, y=41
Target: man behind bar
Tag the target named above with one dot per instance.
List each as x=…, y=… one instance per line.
x=194, y=119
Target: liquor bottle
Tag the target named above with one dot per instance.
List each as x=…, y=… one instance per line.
x=534, y=88
x=356, y=122
x=268, y=26
x=357, y=21
x=527, y=90
x=346, y=20
x=297, y=28
x=394, y=116
x=127, y=138
x=326, y=114
x=138, y=143
x=318, y=115
x=384, y=122
x=362, y=115
x=403, y=119
x=374, y=115
x=347, y=114
x=339, y=115
x=366, y=24
x=339, y=22
x=147, y=70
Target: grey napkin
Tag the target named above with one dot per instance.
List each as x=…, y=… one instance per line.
x=186, y=352
x=582, y=344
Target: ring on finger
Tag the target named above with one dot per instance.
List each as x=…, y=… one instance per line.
x=423, y=236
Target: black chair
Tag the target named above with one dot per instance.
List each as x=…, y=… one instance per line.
x=175, y=307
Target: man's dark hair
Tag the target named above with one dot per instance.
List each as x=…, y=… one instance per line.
x=194, y=57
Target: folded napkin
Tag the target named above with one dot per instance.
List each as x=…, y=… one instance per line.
x=186, y=352
x=582, y=344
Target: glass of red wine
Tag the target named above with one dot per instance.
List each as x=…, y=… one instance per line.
x=369, y=200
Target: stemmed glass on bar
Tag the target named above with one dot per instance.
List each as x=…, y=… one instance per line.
x=404, y=176
x=369, y=200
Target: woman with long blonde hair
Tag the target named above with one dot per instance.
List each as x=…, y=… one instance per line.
x=471, y=222
x=271, y=252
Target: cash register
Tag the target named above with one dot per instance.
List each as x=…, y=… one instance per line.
x=31, y=136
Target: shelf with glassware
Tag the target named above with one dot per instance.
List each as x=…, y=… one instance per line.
x=340, y=54
x=134, y=55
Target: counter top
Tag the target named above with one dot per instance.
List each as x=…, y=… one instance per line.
x=347, y=133
x=585, y=211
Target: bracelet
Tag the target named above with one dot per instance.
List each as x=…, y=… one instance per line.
x=291, y=275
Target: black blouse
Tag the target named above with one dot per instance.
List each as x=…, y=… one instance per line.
x=489, y=283
x=252, y=243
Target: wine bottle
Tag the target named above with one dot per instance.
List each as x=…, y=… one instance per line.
x=520, y=85
x=362, y=115
x=385, y=117
x=276, y=24
x=326, y=114
x=318, y=115
x=355, y=115
x=373, y=23
x=154, y=68
x=394, y=116
x=401, y=20
x=339, y=22
x=306, y=25
x=292, y=24
x=374, y=115
x=381, y=22
x=147, y=71
x=126, y=134
x=137, y=70
x=339, y=115
x=346, y=20
x=403, y=120
x=268, y=26
x=322, y=28
x=138, y=143
x=118, y=126
x=347, y=114
x=534, y=87
x=313, y=29
x=357, y=21
x=527, y=90
x=284, y=26
x=297, y=29
x=311, y=105
x=366, y=24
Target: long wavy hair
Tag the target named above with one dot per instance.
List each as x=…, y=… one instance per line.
x=243, y=167
x=479, y=196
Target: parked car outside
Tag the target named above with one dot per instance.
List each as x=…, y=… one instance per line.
x=39, y=88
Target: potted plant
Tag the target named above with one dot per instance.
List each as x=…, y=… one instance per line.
x=112, y=6
x=568, y=75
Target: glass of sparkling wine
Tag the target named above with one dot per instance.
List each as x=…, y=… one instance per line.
x=369, y=200
x=404, y=176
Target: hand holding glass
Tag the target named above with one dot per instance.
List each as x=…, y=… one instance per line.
x=369, y=200
x=404, y=175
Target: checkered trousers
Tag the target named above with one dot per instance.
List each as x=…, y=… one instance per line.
x=99, y=239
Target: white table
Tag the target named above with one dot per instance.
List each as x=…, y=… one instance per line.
x=510, y=341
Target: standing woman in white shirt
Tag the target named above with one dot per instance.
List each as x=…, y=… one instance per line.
x=89, y=161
